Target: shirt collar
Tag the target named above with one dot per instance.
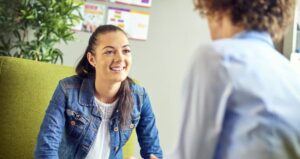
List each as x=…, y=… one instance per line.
x=256, y=35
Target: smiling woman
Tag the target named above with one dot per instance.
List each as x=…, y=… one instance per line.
x=91, y=115
x=112, y=58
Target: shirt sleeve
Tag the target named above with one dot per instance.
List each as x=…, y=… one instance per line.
x=206, y=90
x=52, y=127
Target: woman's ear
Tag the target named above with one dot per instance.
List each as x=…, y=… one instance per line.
x=91, y=59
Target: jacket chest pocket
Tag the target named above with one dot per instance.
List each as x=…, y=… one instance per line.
x=127, y=130
x=76, y=123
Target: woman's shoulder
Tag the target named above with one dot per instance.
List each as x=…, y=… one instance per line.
x=220, y=46
x=74, y=80
x=137, y=88
x=223, y=49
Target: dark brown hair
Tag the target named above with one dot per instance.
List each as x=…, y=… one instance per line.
x=272, y=16
x=85, y=69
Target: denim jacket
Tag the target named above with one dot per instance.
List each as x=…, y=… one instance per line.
x=72, y=121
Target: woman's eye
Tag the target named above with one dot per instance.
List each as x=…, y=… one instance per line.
x=126, y=51
x=109, y=52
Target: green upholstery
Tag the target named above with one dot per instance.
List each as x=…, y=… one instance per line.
x=26, y=87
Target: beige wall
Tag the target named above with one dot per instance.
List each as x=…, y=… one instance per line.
x=160, y=62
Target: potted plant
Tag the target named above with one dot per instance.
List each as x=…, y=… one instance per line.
x=30, y=28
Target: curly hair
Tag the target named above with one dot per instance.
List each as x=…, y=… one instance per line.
x=272, y=16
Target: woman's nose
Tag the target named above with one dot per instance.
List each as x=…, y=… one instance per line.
x=118, y=56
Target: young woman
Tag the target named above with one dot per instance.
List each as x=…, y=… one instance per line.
x=241, y=97
x=92, y=114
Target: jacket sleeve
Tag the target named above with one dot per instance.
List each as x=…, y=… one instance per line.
x=52, y=127
x=147, y=132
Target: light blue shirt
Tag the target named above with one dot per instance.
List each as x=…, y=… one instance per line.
x=241, y=101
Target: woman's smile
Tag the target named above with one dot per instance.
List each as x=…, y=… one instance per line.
x=118, y=68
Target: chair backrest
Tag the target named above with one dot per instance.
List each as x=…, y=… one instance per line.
x=26, y=87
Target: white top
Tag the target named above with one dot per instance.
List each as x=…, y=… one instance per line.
x=101, y=146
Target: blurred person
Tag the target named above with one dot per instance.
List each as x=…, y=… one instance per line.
x=241, y=96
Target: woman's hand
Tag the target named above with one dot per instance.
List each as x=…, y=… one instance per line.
x=153, y=156
x=131, y=157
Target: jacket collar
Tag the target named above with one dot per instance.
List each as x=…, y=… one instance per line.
x=86, y=94
x=86, y=97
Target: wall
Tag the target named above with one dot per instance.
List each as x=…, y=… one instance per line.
x=290, y=38
x=160, y=62
x=175, y=31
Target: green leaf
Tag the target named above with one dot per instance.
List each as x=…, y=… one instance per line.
x=49, y=20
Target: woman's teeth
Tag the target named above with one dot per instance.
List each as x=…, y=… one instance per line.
x=117, y=68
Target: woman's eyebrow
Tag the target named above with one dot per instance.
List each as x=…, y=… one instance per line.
x=108, y=47
x=126, y=45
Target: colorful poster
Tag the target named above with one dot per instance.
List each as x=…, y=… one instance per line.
x=119, y=17
x=142, y=3
x=139, y=24
x=134, y=23
x=94, y=15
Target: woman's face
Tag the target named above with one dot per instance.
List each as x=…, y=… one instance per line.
x=112, y=57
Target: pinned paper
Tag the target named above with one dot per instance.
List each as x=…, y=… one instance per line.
x=134, y=23
x=142, y=3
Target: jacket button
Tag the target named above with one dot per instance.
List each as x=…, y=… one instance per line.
x=116, y=148
x=72, y=122
x=131, y=126
x=116, y=129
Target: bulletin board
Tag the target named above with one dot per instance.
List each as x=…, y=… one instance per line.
x=94, y=15
x=134, y=23
x=142, y=3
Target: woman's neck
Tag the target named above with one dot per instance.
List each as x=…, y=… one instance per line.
x=105, y=91
x=229, y=29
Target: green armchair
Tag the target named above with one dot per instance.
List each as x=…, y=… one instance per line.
x=26, y=87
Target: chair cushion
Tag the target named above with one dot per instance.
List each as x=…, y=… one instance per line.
x=26, y=87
